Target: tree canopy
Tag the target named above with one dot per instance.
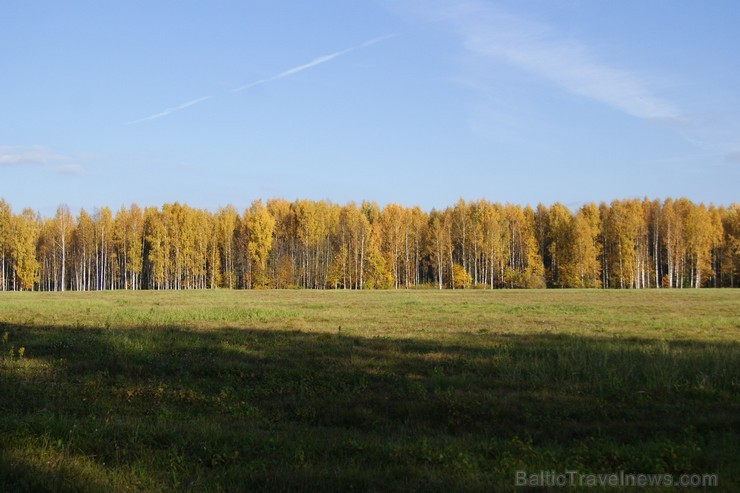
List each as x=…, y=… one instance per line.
x=630, y=243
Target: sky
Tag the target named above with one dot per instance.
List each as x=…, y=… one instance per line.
x=417, y=102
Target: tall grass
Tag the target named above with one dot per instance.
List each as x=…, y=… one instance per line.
x=337, y=391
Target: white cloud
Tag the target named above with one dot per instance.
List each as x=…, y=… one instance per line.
x=715, y=132
x=25, y=156
x=537, y=49
x=39, y=156
x=70, y=169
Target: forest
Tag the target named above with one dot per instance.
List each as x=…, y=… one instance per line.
x=631, y=243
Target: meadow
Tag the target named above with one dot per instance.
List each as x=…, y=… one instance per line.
x=364, y=391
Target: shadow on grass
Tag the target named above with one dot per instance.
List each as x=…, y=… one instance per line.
x=236, y=410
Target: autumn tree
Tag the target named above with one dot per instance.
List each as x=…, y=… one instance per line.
x=128, y=226
x=283, y=254
x=260, y=226
x=703, y=233
x=525, y=268
x=628, y=243
x=393, y=228
x=26, y=228
x=226, y=220
x=477, y=259
x=413, y=245
x=83, y=251
x=460, y=229
x=157, y=248
x=542, y=235
x=345, y=269
x=6, y=237
x=586, y=249
x=559, y=245
x=352, y=237
x=729, y=263
x=104, y=256
x=653, y=218
x=440, y=247
x=494, y=242
x=63, y=226
x=461, y=277
x=375, y=273
x=623, y=225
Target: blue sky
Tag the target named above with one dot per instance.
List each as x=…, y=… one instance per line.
x=415, y=102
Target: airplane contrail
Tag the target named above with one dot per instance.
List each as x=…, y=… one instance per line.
x=285, y=73
x=171, y=110
x=313, y=63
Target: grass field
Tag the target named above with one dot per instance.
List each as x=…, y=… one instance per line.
x=364, y=391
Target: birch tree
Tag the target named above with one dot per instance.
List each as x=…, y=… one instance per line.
x=25, y=232
x=6, y=216
x=226, y=221
x=64, y=223
x=261, y=226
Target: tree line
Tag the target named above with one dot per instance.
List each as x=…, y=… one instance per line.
x=321, y=245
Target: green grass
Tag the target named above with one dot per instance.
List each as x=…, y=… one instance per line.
x=364, y=391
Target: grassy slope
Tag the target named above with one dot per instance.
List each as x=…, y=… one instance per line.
x=407, y=391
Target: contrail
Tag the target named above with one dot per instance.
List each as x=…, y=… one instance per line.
x=313, y=63
x=285, y=73
x=170, y=110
